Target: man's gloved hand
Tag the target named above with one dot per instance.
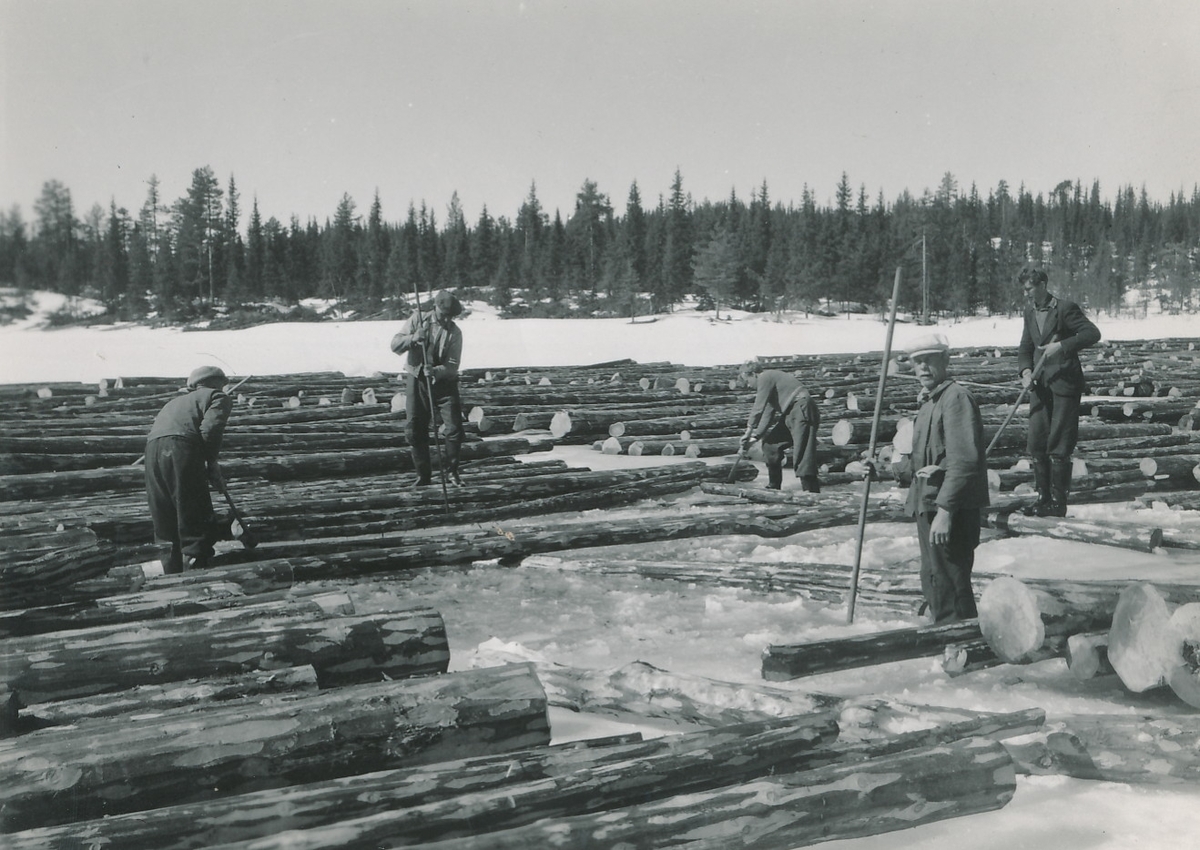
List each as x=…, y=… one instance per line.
x=870, y=470
x=439, y=372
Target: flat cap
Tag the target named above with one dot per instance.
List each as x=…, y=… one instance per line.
x=448, y=303
x=206, y=376
x=928, y=344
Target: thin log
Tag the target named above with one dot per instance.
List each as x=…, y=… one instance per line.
x=64, y=665
x=227, y=751
x=1138, y=538
x=781, y=662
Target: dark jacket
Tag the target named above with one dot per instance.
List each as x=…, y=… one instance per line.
x=443, y=346
x=199, y=417
x=1066, y=323
x=948, y=432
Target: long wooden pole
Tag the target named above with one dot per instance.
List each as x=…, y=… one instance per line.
x=1037, y=370
x=862, y=513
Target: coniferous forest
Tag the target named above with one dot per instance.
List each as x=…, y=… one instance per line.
x=205, y=255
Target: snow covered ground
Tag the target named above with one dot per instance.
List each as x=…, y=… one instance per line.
x=585, y=620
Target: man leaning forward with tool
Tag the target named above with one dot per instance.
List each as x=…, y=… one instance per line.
x=784, y=416
x=946, y=476
x=1055, y=331
x=181, y=460
x=433, y=342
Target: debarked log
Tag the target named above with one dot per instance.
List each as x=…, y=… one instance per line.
x=784, y=661
x=786, y=810
x=343, y=650
x=1139, y=538
x=58, y=776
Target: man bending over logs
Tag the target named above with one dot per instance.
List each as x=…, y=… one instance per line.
x=784, y=415
x=947, y=479
x=181, y=459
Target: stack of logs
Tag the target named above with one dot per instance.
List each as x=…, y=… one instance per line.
x=272, y=715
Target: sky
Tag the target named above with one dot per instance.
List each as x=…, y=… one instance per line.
x=305, y=101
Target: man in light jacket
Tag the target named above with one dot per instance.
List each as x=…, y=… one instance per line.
x=784, y=416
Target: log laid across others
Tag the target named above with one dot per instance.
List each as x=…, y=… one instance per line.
x=791, y=661
x=58, y=776
x=1139, y=538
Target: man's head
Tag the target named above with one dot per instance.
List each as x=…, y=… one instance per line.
x=1034, y=281
x=930, y=356
x=446, y=306
x=206, y=376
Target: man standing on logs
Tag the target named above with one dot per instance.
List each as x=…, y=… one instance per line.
x=947, y=479
x=1055, y=331
x=181, y=459
x=434, y=345
x=785, y=416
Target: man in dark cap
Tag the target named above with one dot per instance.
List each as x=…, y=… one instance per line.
x=784, y=416
x=181, y=459
x=1055, y=331
x=433, y=343
x=946, y=476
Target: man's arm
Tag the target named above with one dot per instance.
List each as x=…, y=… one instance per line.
x=1026, y=349
x=1083, y=333
x=404, y=340
x=212, y=425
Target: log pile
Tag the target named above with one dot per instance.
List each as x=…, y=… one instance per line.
x=272, y=715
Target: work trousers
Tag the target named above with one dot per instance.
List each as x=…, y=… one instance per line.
x=946, y=567
x=1053, y=424
x=775, y=444
x=417, y=421
x=180, y=504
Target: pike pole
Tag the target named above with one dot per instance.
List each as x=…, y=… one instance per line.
x=1037, y=370
x=437, y=435
x=862, y=514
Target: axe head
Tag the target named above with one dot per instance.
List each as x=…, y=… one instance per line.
x=242, y=534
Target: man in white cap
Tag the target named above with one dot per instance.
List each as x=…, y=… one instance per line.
x=947, y=479
x=181, y=459
x=434, y=349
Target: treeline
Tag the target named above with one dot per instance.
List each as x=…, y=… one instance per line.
x=961, y=251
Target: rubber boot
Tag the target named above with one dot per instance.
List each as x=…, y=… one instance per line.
x=1041, y=480
x=775, y=477
x=1060, y=486
x=422, y=466
x=452, y=475
x=810, y=484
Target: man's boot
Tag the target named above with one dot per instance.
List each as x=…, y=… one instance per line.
x=1041, y=480
x=422, y=466
x=1060, y=485
x=452, y=475
x=774, y=477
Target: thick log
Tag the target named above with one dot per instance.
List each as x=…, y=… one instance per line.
x=1180, y=470
x=146, y=605
x=253, y=579
x=780, y=662
x=58, y=776
x=1184, y=664
x=192, y=695
x=64, y=665
x=1141, y=642
x=972, y=655
x=1151, y=750
x=785, y=810
x=1017, y=616
x=1139, y=538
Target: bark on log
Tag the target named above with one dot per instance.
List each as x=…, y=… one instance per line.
x=1151, y=750
x=108, y=658
x=147, y=605
x=644, y=690
x=266, y=813
x=1180, y=470
x=781, y=662
x=192, y=695
x=1139, y=538
x=972, y=655
x=253, y=579
x=787, y=810
x=56, y=776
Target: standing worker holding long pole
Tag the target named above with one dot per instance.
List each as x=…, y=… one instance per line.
x=433, y=343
